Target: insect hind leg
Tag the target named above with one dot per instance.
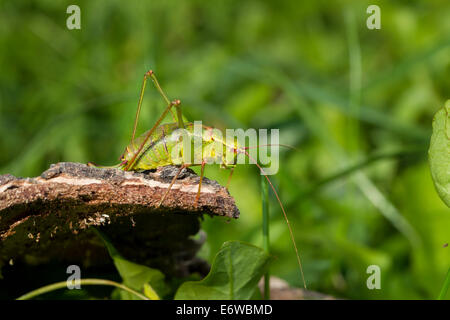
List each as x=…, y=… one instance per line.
x=148, y=74
x=176, y=103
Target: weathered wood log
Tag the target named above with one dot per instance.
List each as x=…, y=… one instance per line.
x=48, y=217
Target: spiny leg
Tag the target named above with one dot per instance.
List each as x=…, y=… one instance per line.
x=175, y=103
x=131, y=162
x=179, y=117
x=149, y=73
x=171, y=184
x=202, y=171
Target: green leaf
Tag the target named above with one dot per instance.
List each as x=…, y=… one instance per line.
x=135, y=276
x=234, y=274
x=439, y=153
x=150, y=293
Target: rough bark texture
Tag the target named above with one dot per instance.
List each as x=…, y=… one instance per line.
x=47, y=218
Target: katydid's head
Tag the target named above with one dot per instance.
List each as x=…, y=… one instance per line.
x=125, y=158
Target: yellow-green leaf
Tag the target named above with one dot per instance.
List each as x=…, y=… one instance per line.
x=439, y=153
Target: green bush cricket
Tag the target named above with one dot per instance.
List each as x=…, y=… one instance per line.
x=155, y=148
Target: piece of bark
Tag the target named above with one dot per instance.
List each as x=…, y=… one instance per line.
x=47, y=218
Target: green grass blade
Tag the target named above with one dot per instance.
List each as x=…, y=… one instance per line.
x=354, y=51
x=265, y=229
x=445, y=287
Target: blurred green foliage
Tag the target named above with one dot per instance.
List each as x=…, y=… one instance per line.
x=357, y=103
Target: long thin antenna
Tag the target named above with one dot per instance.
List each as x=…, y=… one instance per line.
x=291, y=233
x=271, y=145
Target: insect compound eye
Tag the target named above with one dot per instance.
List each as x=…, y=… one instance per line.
x=122, y=156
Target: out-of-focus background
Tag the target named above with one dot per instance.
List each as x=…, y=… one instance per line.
x=356, y=103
